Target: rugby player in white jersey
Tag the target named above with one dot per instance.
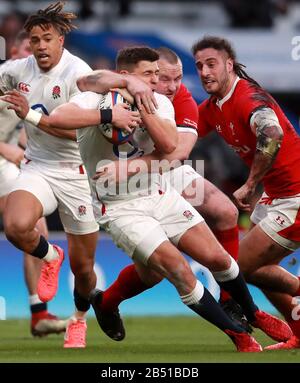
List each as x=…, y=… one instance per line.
x=216, y=208
x=12, y=144
x=148, y=222
x=52, y=174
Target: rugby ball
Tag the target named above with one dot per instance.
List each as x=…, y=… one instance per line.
x=114, y=135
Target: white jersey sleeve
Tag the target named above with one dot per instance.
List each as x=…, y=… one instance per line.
x=9, y=74
x=165, y=107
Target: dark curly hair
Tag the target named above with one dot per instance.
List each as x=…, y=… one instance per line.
x=131, y=56
x=52, y=15
x=221, y=44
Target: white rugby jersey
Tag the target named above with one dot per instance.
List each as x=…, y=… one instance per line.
x=95, y=148
x=8, y=122
x=44, y=92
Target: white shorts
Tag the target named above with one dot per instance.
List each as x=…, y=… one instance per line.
x=183, y=176
x=140, y=225
x=280, y=219
x=67, y=189
x=8, y=174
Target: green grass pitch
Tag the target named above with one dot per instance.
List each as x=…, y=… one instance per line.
x=148, y=339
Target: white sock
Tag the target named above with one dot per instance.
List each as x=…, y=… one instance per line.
x=51, y=255
x=227, y=275
x=194, y=296
x=34, y=300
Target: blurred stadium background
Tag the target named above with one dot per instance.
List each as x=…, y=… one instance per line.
x=262, y=33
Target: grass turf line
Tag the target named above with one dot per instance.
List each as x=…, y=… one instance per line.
x=148, y=339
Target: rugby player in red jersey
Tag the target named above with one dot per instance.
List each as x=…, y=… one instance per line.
x=252, y=123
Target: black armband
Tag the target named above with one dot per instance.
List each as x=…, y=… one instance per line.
x=106, y=116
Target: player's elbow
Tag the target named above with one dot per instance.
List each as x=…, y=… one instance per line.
x=81, y=83
x=171, y=144
x=168, y=147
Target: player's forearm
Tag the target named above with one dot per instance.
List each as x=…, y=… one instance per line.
x=163, y=132
x=154, y=162
x=101, y=81
x=267, y=147
x=260, y=166
x=68, y=134
x=72, y=118
x=57, y=132
x=45, y=124
x=269, y=135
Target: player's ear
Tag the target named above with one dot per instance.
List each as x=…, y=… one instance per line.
x=229, y=65
x=13, y=52
x=123, y=71
x=62, y=39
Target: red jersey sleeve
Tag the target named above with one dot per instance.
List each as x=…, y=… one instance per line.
x=251, y=98
x=186, y=111
x=204, y=127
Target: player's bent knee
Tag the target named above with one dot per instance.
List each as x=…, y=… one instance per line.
x=219, y=263
x=227, y=214
x=82, y=268
x=17, y=228
x=180, y=274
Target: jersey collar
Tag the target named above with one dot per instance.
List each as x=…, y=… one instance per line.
x=220, y=103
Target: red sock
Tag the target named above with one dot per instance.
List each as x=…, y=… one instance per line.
x=295, y=327
x=229, y=239
x=127, y=285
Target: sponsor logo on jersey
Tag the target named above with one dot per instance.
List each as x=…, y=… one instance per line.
x=231, y=126
x=23, y=87
x=82, y=210
x=56, y=92
x=190, y=123
x=218, y=128
x=188, y=215
x=280, y=220
x=240, y=149
x=266, y=201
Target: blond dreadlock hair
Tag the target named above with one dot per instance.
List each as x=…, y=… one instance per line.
x=52, y=15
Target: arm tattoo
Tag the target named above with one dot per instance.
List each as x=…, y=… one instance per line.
x=268, y=131
x=266, y=142
x=92, y=78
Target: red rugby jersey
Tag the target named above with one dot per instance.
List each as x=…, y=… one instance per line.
x=186, y=110
x=230, y=117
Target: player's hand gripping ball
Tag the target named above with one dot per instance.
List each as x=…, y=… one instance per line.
x=115, y=135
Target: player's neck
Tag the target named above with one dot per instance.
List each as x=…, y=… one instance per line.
x=227, y=89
